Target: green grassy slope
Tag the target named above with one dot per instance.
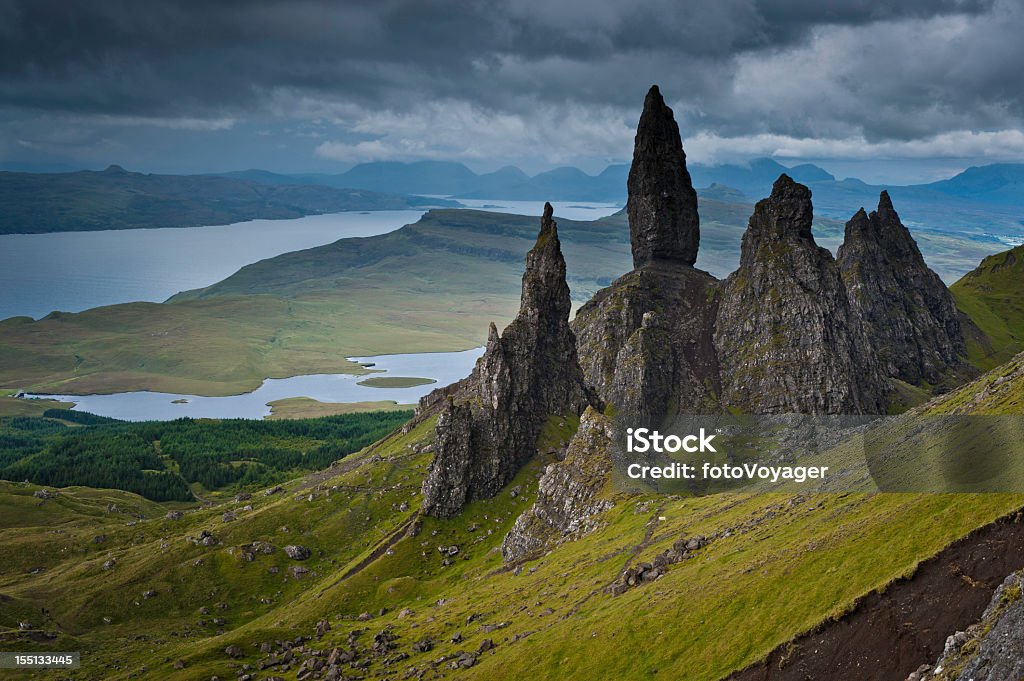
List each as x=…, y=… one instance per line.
x=32, y=203
x=992, y=296
x=777, y=565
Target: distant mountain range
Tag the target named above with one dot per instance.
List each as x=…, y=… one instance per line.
x=986, y=203
x=117, y=199
x=998, y=187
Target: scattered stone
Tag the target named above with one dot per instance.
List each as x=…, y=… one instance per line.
x=149, y=593
x=322, y=627
x=174, y=515
x=233, y=651
x=228, y=517
x=296, y=552
x=109, y=564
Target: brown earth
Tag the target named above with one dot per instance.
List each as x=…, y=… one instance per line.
x=891, y=632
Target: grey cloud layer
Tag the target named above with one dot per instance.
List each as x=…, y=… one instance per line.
x=884, y=72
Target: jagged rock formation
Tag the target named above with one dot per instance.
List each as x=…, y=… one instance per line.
x=785, y=335
x=568, y=497
x=908, y=312
x=662, y=204
x=491, y=421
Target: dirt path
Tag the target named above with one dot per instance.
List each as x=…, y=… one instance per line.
x=891, y=632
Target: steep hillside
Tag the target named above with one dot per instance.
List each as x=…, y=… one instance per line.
x=382, y=592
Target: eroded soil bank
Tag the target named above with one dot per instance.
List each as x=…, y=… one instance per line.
x=891, y=632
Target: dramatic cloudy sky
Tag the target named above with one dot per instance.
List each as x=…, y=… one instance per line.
x=897, y=90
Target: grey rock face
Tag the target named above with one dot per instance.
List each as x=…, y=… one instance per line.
x=490, y=425
x=908, y=312
x=662, y=204
x=646, y=342
x=568, y=498
x=992, y=649
x=785, y=335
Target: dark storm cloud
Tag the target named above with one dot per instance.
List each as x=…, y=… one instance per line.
x=789, y=69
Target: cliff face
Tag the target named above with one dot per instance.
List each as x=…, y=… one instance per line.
x=662, y=204
x=490, y=421
x=908, y=312
x=646, y=344
x=786, y=337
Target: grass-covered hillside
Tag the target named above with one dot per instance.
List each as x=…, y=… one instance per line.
x=376, y=592
x=993, y=298
x=32, y=203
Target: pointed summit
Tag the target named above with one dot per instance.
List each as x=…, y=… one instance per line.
x=489, y=426
x=662, y=204
x=787, y=339
x=907, y=310
x=545, y=291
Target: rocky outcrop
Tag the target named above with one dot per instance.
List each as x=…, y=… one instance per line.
x=646, y=345
x=569, y=494
x=491, y=420
x=990, y=650
x=786, y=337
x=662, y=204
x=908, y=312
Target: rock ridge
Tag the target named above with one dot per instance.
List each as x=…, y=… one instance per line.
x=490, y=421
x=907, y=310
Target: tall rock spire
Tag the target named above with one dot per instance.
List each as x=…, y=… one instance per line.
x=787, y=339
x=907, y=310
x=662, y=204
x=489, y=427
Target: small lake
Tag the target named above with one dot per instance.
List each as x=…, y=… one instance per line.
x=443, y=367
x=569, y=210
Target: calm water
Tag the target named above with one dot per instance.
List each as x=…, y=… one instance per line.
x=443, y=367
x=570, y=210
x=74, y=271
